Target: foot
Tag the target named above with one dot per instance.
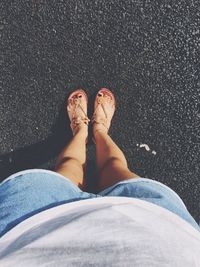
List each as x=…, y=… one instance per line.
x=104, y=108
x=77, y=111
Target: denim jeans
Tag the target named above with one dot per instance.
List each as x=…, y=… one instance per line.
x=29, y=192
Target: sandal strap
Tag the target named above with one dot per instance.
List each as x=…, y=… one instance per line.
x=78, y=105
x=76, y=120
x=102, y=121
x=100, y=101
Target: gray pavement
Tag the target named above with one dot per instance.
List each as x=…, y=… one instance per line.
x=146, y=52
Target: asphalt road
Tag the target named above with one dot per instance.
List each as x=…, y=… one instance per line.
x=146, y=52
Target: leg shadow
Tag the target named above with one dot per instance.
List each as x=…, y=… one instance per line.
x=39, y=153
x=35, y=155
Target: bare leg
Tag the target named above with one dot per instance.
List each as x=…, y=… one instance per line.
x=111, y=162
x=71, y=161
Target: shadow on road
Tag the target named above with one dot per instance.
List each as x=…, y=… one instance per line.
x=37, y=154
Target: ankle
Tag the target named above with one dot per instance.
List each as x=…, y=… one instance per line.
x=99, y=133
x=82, y=131
x=99, y=128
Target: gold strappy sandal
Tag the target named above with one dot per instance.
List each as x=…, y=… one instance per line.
x=104, y=108
x=77, y=109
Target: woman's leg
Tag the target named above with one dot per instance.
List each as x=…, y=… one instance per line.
x=111, y=162
x=71, y=161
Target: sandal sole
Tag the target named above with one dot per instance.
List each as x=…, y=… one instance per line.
x=109, y=93
x=77, y=92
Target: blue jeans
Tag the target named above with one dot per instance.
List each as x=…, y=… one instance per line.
x=29, y=192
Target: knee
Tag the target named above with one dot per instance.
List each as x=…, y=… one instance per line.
x=115, y=162
x=66, y=161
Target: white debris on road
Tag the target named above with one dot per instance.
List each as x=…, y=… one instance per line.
x=147, y=148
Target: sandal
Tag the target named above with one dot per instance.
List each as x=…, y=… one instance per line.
x=77, y=109
x=104, y=108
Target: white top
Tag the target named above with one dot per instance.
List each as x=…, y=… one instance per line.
x=108, y=231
